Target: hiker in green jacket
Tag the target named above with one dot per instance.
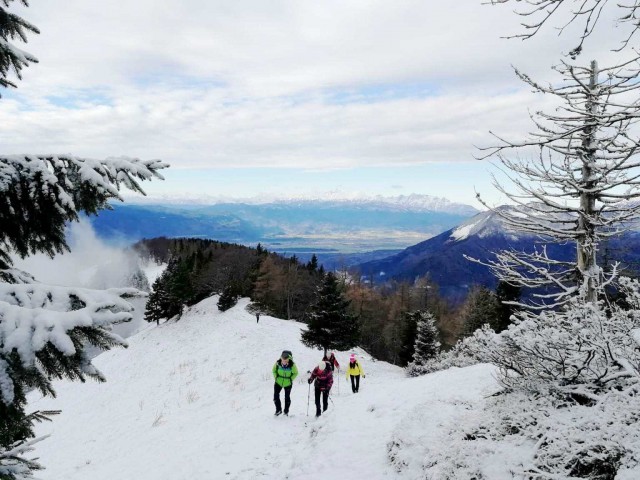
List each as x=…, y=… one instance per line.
x=284, y=373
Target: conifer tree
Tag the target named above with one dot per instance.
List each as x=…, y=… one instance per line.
x=330, y=325
x=408, y=335
x=166, y=299
x=228, y=298
x=427, y=344
x=312, y=265
x=481, y=307
x=159, y=301
x=153, y=310
x=180, y=286
x=138, y=279
x=255, y=308
x=506, y=295
x=12, y=58
x=44, y=330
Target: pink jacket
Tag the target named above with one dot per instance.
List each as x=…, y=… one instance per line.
x=323, y=378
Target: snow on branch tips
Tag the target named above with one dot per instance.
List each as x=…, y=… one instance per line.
x=14, y=466
x=43, y=327
x=39, y=194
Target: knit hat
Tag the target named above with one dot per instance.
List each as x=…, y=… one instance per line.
x=352, y=358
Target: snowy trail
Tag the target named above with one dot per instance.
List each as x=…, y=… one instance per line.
x=193, y=400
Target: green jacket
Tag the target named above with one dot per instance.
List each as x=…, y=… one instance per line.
x=284, y=376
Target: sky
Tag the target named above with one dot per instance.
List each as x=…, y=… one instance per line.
x=285, y=97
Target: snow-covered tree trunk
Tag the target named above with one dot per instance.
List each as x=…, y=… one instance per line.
x=587, y=241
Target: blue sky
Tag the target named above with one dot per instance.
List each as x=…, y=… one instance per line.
x=282, y=97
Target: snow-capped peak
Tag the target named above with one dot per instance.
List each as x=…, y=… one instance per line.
x=485, y=224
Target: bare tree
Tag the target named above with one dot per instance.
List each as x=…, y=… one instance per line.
x=580, y=183
x=588, y=13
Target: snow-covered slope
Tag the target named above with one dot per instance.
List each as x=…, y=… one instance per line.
x=487, y=224
x=192, y=400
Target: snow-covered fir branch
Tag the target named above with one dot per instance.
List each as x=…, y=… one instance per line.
x=45, y=330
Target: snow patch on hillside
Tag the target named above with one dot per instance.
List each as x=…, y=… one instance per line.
x=487, y=224
x=462, y=232
x=193, y=400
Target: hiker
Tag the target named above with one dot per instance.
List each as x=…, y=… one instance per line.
x=354, y=370
x=284, y=373
x=257, y=317
x=332, y=361
x=323, y=377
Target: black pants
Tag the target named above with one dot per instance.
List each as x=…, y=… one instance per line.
x=355, y=383
x=325, y=400
x=276, y=397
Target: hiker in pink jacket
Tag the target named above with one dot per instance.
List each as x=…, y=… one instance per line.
x=323, y=377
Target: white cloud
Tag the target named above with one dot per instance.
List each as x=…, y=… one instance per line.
x=205, y=83
x=187, y=128
x=91, y=263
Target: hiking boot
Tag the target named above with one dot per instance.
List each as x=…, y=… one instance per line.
x=278, y=412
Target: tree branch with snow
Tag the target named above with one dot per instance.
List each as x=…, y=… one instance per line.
x=45, y=329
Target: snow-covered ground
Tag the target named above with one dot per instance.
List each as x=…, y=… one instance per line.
x=192, y=400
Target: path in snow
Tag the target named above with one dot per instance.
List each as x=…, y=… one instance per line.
x=192, y=400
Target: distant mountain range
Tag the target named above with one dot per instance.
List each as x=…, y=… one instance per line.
x=327, y=226
x=442, y=257
x=383, y=238
x=413, y=202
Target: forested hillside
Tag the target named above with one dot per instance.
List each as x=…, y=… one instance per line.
x=287, y=288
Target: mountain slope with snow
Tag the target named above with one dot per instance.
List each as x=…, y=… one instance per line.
x=442, y=257
x=192, y=400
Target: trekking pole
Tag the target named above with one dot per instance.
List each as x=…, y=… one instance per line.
x=308, y=397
